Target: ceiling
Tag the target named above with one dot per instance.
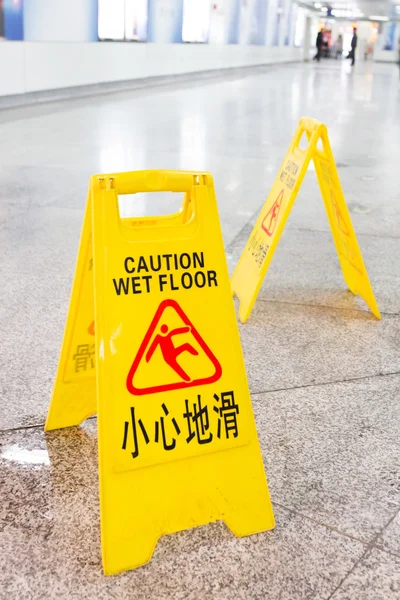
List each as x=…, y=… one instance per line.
x=355, y=9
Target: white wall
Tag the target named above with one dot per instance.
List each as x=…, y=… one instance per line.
x=12, y=68
x=219, y=21
x=165, y=21
x=271, y=22
x=382, y=55
x=60, y=20
x=386, y=56
x=246, y=21
x=32, y=67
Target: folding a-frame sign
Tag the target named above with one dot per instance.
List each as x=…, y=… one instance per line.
x=152, y=345
x=257, y=255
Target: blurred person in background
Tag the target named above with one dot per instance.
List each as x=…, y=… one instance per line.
x=352, y=53
x=319, y=43
x=339, y=46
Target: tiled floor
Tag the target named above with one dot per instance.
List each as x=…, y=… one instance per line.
x=324, y=374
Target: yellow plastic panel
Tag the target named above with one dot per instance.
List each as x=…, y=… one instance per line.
x=178, y=445
x=74, y=393
x=351, y=260
x=257, y=255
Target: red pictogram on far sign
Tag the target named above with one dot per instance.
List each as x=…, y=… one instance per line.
x=173, y=343
x=269, y=221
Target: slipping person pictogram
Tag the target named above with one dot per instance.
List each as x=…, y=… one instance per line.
x=150, y=374
x=171, y=352
x=271, y=218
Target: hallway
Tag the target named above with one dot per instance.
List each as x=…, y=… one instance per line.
x=324, y=374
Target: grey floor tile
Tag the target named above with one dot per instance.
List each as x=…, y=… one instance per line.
x=332, y=452
x=50, y=525
x=45, y=205
x=370, y=196
x=389, y=539
x=33, y=311
x=305, y=270
x=42, y=242
x=287, y=346
x=276, y=344
x=27, y=186
x=376, y=577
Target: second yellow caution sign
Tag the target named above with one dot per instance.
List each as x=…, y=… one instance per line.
x=178, y=444
x=257, y=255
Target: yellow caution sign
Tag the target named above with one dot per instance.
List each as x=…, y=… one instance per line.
x=257, y=255
x=178, y=445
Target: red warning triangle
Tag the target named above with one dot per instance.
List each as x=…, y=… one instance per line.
x=174, y=342
x=339, y=219
x=270, y=220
